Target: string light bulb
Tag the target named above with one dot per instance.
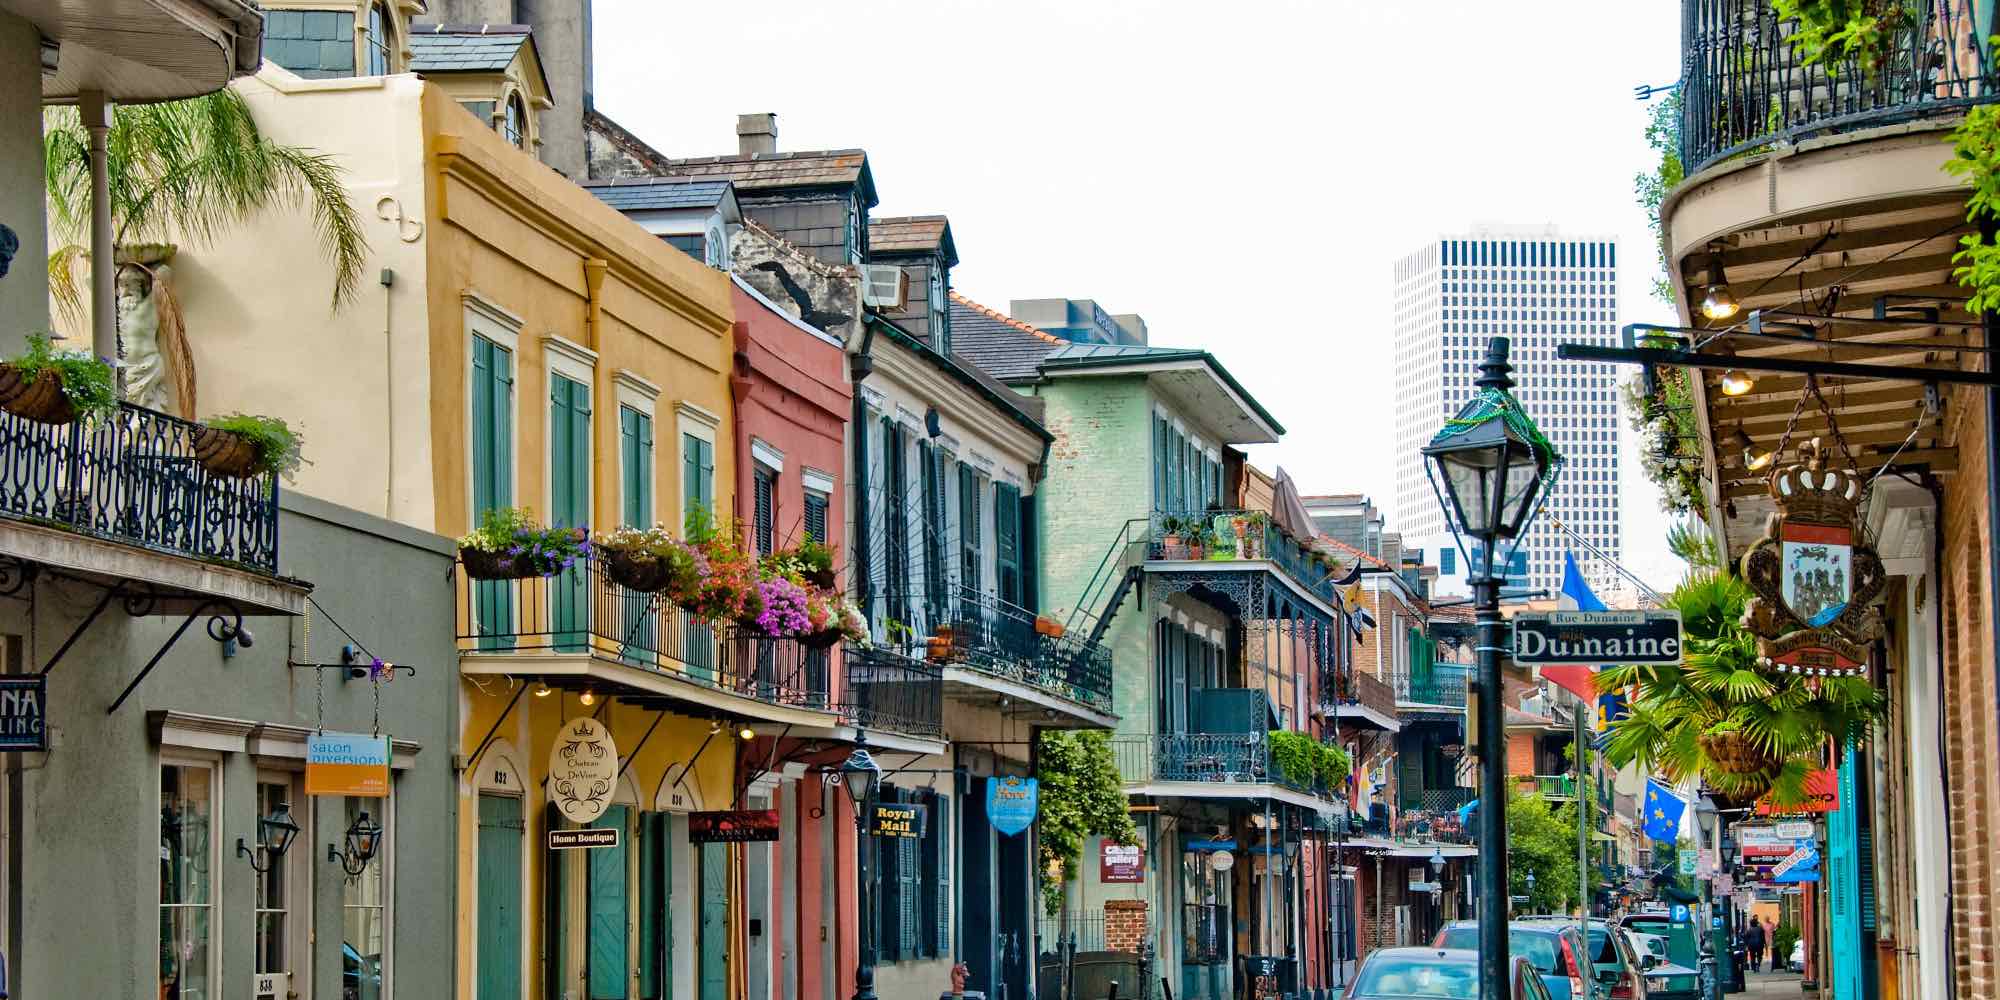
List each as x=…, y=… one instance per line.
x=1754, y=458
x=1716, y=301
x=1735, y=383
x=747, y=733
x=543, y=690
x=587, y=698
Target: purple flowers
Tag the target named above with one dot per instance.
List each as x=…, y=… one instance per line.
x=784, y=608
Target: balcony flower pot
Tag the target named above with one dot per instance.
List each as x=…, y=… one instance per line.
x=509, y=545
x=56, y=387
x=1047, y=626
x=40, y=399
x=481, y=564
x=225, y=453
x=637, y=571
x=938, y=648
x=239, y=446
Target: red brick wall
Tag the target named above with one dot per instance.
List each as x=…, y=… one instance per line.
x=1124, y=924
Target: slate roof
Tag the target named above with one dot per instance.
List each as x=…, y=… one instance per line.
x=997, y=344
x=780, y=170
x=628, y=194
x=913, y=234
x=465, y=48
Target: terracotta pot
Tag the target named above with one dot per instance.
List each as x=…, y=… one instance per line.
x=225, y=453
x=483, y=565
x=1734, y=753
x=41, y=400
x=1049, y=627
x=640, y=573
x=938, y=647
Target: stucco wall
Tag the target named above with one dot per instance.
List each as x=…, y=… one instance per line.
x=88, y=812
x=24, y=292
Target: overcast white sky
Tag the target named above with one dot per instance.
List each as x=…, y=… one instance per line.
x=1240, y=174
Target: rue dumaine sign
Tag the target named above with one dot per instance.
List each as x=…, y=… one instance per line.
x=1611, y=637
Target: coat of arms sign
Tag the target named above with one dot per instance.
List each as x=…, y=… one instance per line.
x=1815, y=584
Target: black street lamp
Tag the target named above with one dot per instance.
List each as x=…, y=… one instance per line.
x=1488, y=465
x=364, y=838
x=860, y=774
x=274, y=838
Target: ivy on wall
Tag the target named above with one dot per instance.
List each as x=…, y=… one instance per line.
x=1081, y=796
x=1306, y=761
x=1976, y=158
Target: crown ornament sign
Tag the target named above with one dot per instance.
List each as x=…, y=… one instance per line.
x=1815, y=587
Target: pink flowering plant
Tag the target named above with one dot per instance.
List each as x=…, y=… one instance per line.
x=783, y=612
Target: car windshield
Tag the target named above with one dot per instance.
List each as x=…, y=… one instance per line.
x=1419, y=977
x=1538, y=948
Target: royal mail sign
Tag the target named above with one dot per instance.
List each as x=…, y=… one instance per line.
x=1593, y=637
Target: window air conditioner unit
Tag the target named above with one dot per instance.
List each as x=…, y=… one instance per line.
x=884, y=286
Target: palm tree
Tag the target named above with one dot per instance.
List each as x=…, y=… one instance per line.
x=1721, y=716
x=183, y=170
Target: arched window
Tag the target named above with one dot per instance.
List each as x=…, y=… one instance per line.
x=516, y=128
x=381, y=40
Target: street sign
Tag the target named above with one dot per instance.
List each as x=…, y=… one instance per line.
x=1613, y=637
x=1688, y=862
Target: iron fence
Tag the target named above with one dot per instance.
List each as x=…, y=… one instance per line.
x=886, y=690
x=1230, y=757
x=1003, y=639
x=1426, y=826
x=1443, y=685
x=133, y=477
x=1745, y=83
x=1442, y=800
x=582, y=610
x=1227, y=535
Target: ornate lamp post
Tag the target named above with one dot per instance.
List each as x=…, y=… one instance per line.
x=860, y=774
x=1488, y=466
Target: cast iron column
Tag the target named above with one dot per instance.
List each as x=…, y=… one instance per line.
x=1493, y=914
x=864, y=971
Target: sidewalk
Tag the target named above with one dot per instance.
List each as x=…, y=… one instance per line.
x=1771, y=986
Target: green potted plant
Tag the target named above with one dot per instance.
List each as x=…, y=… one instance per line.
x=1172, y=545
x=240, y=445
x=509, y=545
x=647, y=560
x=53, y=386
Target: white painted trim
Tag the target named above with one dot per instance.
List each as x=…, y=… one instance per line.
x=816, y=481
x=697, y=414
x=491, y=309
x=876, y=401
x=948, y=443
x=984, y=463
x=635, y=392
x=570, y=359
x=201, y=732
x=282, y=742
x=486, y=318
x=797, y=323
x=905, y=415
x=764, y=454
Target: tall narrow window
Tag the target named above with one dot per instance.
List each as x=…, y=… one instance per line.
x=635, y=447
x=364, y=911
x=697, y=480
x=940, y=310
x=930, y=465
x=516, y=123
x=817, y=504
x=971, y=562
x=763, y=528
x=381, y=41
x=896, y=547
x=187, y=857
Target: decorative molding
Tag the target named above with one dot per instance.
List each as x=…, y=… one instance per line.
x=764, y=454
x=698, y=415
x=983, y=462
x=199, y=732
x=635, y=389
x=949, y=443
x=570, y=358
x=874, y=399
x=817, y=481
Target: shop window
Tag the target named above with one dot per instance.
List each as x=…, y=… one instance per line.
x=187, y=863
x=364, y=966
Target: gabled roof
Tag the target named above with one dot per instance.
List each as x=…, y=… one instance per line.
x=639, y=193
x=1083, y=357
x=999, y=345
x=465, y=48
x=913, y=234
x=770, y=171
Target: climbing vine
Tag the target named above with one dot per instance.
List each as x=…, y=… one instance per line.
x=1306, y=761
x=1830, y=31
x=1081, y=796
x=1663, y=133
x=1976, y=158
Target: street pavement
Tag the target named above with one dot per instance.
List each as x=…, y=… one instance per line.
x=1771, y=985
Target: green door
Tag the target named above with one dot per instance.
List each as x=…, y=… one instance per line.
x=713, y=971
x=656, y=924
x=569, y=504
x=608, y=906
x=500, y=833
x=492, y=477
x=698, y=505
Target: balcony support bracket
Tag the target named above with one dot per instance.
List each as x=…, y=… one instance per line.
x=225, y=622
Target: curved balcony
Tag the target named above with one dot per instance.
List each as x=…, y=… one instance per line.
x=994, y=640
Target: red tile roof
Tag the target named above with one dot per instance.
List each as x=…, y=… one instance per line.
x=995, y=314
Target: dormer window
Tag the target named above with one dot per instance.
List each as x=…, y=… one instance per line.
x=856, y=251
x=380, y=41
x=515, y=126
x=940, y=310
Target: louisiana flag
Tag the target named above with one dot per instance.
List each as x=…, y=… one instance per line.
x=1576, y=596
x=1663, y=812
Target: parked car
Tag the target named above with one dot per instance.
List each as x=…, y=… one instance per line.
x=1616, y=969
x=1798, y=960
x=1436, y=974
x=1552, y=948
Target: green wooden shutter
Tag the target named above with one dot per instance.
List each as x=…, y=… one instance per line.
x=816, y=511
x=555, y=915
x=936, y=595
x=940, y=841
x=909, y=895
x=1007, y=541
x=896, y=546
x=500, y=835
x=492, y=476
x=1030, y=555
x=607, y=905
x=763, y=509
x=713, y=971
x=971, y=565
x=635, y=445
x=690, y=479
x=888, y=884
x=569, y=503
x=655, y=856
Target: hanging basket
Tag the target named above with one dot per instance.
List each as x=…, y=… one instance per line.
x=481, y=564
x=635, y=572
x=225, y=453
x=825, y=638
x=41, y=400
x=1736, y=753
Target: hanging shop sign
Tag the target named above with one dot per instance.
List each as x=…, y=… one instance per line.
x=1815, y=585
x=1548, y=637
x=354, y=764
x=1797, y=829
x=588, y=838
x=1822, y=795
x=733, y=826
x=898, y=819
x=1011, y=802
x=24, y=705
x=1120, y=862
x=583, y=769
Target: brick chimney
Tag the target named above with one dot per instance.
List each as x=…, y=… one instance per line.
x=757, y=134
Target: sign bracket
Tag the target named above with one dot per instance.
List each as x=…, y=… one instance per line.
x=224, y=624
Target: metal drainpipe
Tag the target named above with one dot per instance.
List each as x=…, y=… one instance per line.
x=859, y=366
x=1936, y=598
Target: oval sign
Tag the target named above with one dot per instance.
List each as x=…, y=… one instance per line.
x=1222, y=861
x=583, y=769
x=1011, y=802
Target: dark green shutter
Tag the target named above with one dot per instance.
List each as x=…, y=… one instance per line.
x=569, y=496
x=763, y=509
x=713, y=968
x=555, y=914
x=970, y=562
x=816, y=511
x=500, y=834
x=697, y=477
x=1007, y=542
x=606, y=904
x=931, y=464
x=940, y=870
x=635, y=444
x=1030, y=549
x=896, y=546
x=910, y=893
x=888, y=884
x=492, y=475
x=655, y=861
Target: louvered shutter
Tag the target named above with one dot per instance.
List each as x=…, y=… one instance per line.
x=1007, y=542
x=897, y=547
x=941, y=880
x=888, y=884
x=1030, y=555
x=816, y=510
x=635, y=444
x=933, y=544
x=762, y=484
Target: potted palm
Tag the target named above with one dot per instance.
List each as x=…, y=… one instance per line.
x=53, y=386
x=239, y=446
x=510, y=545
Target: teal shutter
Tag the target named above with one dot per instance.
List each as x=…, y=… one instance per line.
x=929, y=465
x=1007, y=541
x=569, y=503
x=1030, y=555
x=607, y=907
x=763, y=517
x=500, y=835
x=655, y=856
x=896, y=547
x=969, y=576
x=940, y=853
x=697, y=478
x=492, y=476
x=555, y=915
x=635, y=444
x=714, y=946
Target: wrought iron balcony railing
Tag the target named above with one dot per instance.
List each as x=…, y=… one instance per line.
x=1002, y=639
x=1552, y=786
x=1235, y=758
x=581, y=610
x=886, y=690
x=1232, y=535
x=133, y=478
x=1368, y=690
x=1438, y=800
x=1444, y=684
x=1745, y=84
x=1426, y=826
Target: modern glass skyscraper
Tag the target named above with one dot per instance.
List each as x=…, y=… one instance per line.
x=1538, y=287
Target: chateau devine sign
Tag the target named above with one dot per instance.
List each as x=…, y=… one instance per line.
x=1613, y=637
x=1814, y=578
x=583, y=768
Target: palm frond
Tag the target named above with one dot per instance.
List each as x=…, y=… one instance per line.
x=63, y=289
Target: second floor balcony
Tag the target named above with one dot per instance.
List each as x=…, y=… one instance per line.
x=1241, y=537
x=1553, y=787
x=1443, y=684
x=986, y=647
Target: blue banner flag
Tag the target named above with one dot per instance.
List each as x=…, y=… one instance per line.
x=1663, y=812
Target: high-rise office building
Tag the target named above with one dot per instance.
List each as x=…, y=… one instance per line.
x=1539, y=288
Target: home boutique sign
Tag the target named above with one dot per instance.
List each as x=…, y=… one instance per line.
x=1598, y=637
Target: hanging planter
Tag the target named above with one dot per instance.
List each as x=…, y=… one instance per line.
x=39, y=399
x=239, y=446
x=637, y=572
x=1735, y=753
x=509, y=545
x=56, y=387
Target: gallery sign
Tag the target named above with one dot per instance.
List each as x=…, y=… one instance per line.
x=583, y=769
x=347, y=764
x=1621, y=637
x=898, y=819
x=24, y=713
x=733, y=826
x=1815, y=584
x=1011, y=802
x=1120, y=862
x=585, y=839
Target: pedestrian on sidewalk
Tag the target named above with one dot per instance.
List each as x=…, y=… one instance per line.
x=1753, y=941
x=1771, y=934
